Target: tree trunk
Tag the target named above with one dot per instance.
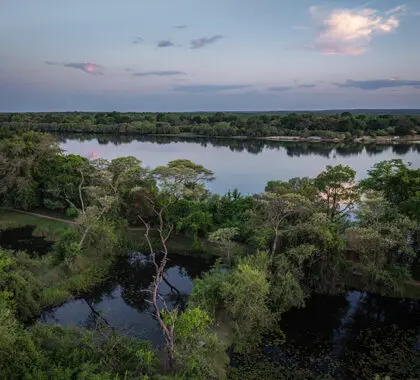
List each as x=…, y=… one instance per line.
x=274, y=247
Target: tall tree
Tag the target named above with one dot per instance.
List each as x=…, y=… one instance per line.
x=180, y=179
x=278, y=212
x=337, y=187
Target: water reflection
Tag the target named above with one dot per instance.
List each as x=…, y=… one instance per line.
x=243, y=164
x=22, y=239
x=355, y=336
x=253, y=146
x=351, y=336
x=122, y=302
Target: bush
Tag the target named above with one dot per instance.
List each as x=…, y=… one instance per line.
x=20, y=286
x=67, y=247
x=71, y=212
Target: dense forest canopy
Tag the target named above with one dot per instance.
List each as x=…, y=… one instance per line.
x=339, y=125
x=299, y=237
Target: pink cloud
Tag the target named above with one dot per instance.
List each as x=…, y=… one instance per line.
x=90, y=68
x=350, y=31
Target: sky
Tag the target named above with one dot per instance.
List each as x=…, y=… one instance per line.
x=201, y=55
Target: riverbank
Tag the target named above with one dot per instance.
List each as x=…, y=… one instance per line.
x=362, y=140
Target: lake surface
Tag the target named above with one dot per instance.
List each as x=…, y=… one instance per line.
x=243, y=164
x=347, y=336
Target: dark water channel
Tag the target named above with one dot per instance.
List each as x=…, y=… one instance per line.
x=22, y=239
x=347, y=336
x=122, y=300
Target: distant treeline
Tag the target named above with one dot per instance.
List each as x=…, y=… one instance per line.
x=344, y=125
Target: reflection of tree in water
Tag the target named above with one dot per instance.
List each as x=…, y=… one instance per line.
x=351, y=338
x=310, y=331
x=401, y=149
x=372, y=149
x=349, y=149
x=134, y=276
x=253, y=146
x=95, y=319
x=383, y=339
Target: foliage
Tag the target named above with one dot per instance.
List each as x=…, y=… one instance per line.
x=18, y=285
x=399, y=185
x=20, y=156
x=245, y=300
x=337, y=187
x=182, y=179
x=225, y=237
x=278, y=212
x=327, y=125
x=303, y=186
x=53, y=352
x=199, y=353
x=59, y=178
x=207, y=291
x=67, y=247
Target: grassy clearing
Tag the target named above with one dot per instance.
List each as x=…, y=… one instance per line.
x=50, y=229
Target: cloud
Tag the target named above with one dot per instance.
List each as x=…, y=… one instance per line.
x=180, y=27
x=201, y=42
x=398, y=9
x=89, y=68
x=159, y=73
x=349, y=31
x=280, y=88
x=137, y=40
x=208, y=88
x=307, y=86
x=377, y=84
x=165, y=43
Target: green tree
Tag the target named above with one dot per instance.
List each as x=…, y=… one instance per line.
x=198, y=351
x=183, y=179
x=20, y=157
x=58, y=177
x=278, y=212
x=336, y=186
x=225, y=237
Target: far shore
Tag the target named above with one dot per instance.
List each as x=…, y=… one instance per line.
x=414, y=139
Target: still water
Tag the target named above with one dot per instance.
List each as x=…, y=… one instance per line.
x=246, y=165
x=123, y=300
x=348, y=336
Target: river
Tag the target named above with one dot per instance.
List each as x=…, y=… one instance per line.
x=246, y=165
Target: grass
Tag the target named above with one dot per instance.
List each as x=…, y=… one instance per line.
x=50, y=229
